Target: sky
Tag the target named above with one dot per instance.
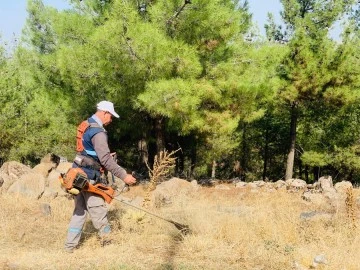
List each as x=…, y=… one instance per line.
x=13, y=15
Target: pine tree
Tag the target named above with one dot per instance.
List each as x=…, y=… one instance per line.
x=311, y=69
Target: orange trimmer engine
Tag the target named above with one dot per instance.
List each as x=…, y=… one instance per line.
x=75, y=180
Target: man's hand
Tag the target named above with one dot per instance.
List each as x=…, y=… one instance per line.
x=129, y=179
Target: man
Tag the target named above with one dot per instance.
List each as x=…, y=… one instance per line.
x=93, y=156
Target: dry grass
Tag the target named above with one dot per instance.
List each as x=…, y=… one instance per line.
x=232, y=229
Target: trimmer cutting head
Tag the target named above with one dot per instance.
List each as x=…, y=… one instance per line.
x=184, y=229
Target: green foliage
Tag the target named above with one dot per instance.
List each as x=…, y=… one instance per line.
x=347, y=159
x=315, y=63
x=191, y=90
x=184, y=74
x=33, y=118
x=313, y=73
x=273, y=31
x=315, y=159
x=39, y=30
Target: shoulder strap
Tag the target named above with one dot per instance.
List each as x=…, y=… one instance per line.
x=84, y=125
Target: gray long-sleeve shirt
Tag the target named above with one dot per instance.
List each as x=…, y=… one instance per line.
x=100, y=143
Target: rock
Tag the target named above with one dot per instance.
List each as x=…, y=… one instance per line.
x=50, y=193
x=315, y=215
x=63, y=167
x=45, y=209
x=331, y=194
x=289, y=181
x=10, y=172
x=53, y=182
x=252, y=185
x=31, y=185
x=326, y=183
x=240, y=184
x=343, y=186
x=296, y=184
x=259, y=183
x=269, y=185
x=51, y=158
x=43, y=168
x=195, y=184
x=319, y=259
x=280, y=184
x=315, y=198
x=166, y=191
x=47, y=164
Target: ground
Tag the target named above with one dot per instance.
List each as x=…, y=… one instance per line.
x=231, y=229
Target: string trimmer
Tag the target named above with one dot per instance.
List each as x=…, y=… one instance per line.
x=76, y=180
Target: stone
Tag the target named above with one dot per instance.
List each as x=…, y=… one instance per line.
x=240, y=184
x=10, y=172
x=45, y=209
x=343, y=186
x=280, y=184
x=326, y=183
x=31, y=185
x=167, y=190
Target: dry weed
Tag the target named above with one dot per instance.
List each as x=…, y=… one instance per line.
x=163, y=163
x=350, y=208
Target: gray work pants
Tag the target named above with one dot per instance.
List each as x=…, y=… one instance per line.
x=94, y=205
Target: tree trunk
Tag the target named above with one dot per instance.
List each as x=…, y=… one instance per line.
x=300, y=169
x=143, y=152
x=316, y=173
x=307, y=174
x=244, y=154
x=213, y=169
x=179, y=164
x=193, y=156
x=159, y=134
x=266, y=154
x=291, y=154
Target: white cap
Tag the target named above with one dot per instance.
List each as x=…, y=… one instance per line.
x=107, y=106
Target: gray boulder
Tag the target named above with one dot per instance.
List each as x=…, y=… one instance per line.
x=343, y=186
x=31, y=185
x=47, y=164
x=296, y=184
x=315, y=198
x=240, y=184
x=326, y=184
x=168, y=190
x=53, y=182
x=10, y=172
x=280, y=184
